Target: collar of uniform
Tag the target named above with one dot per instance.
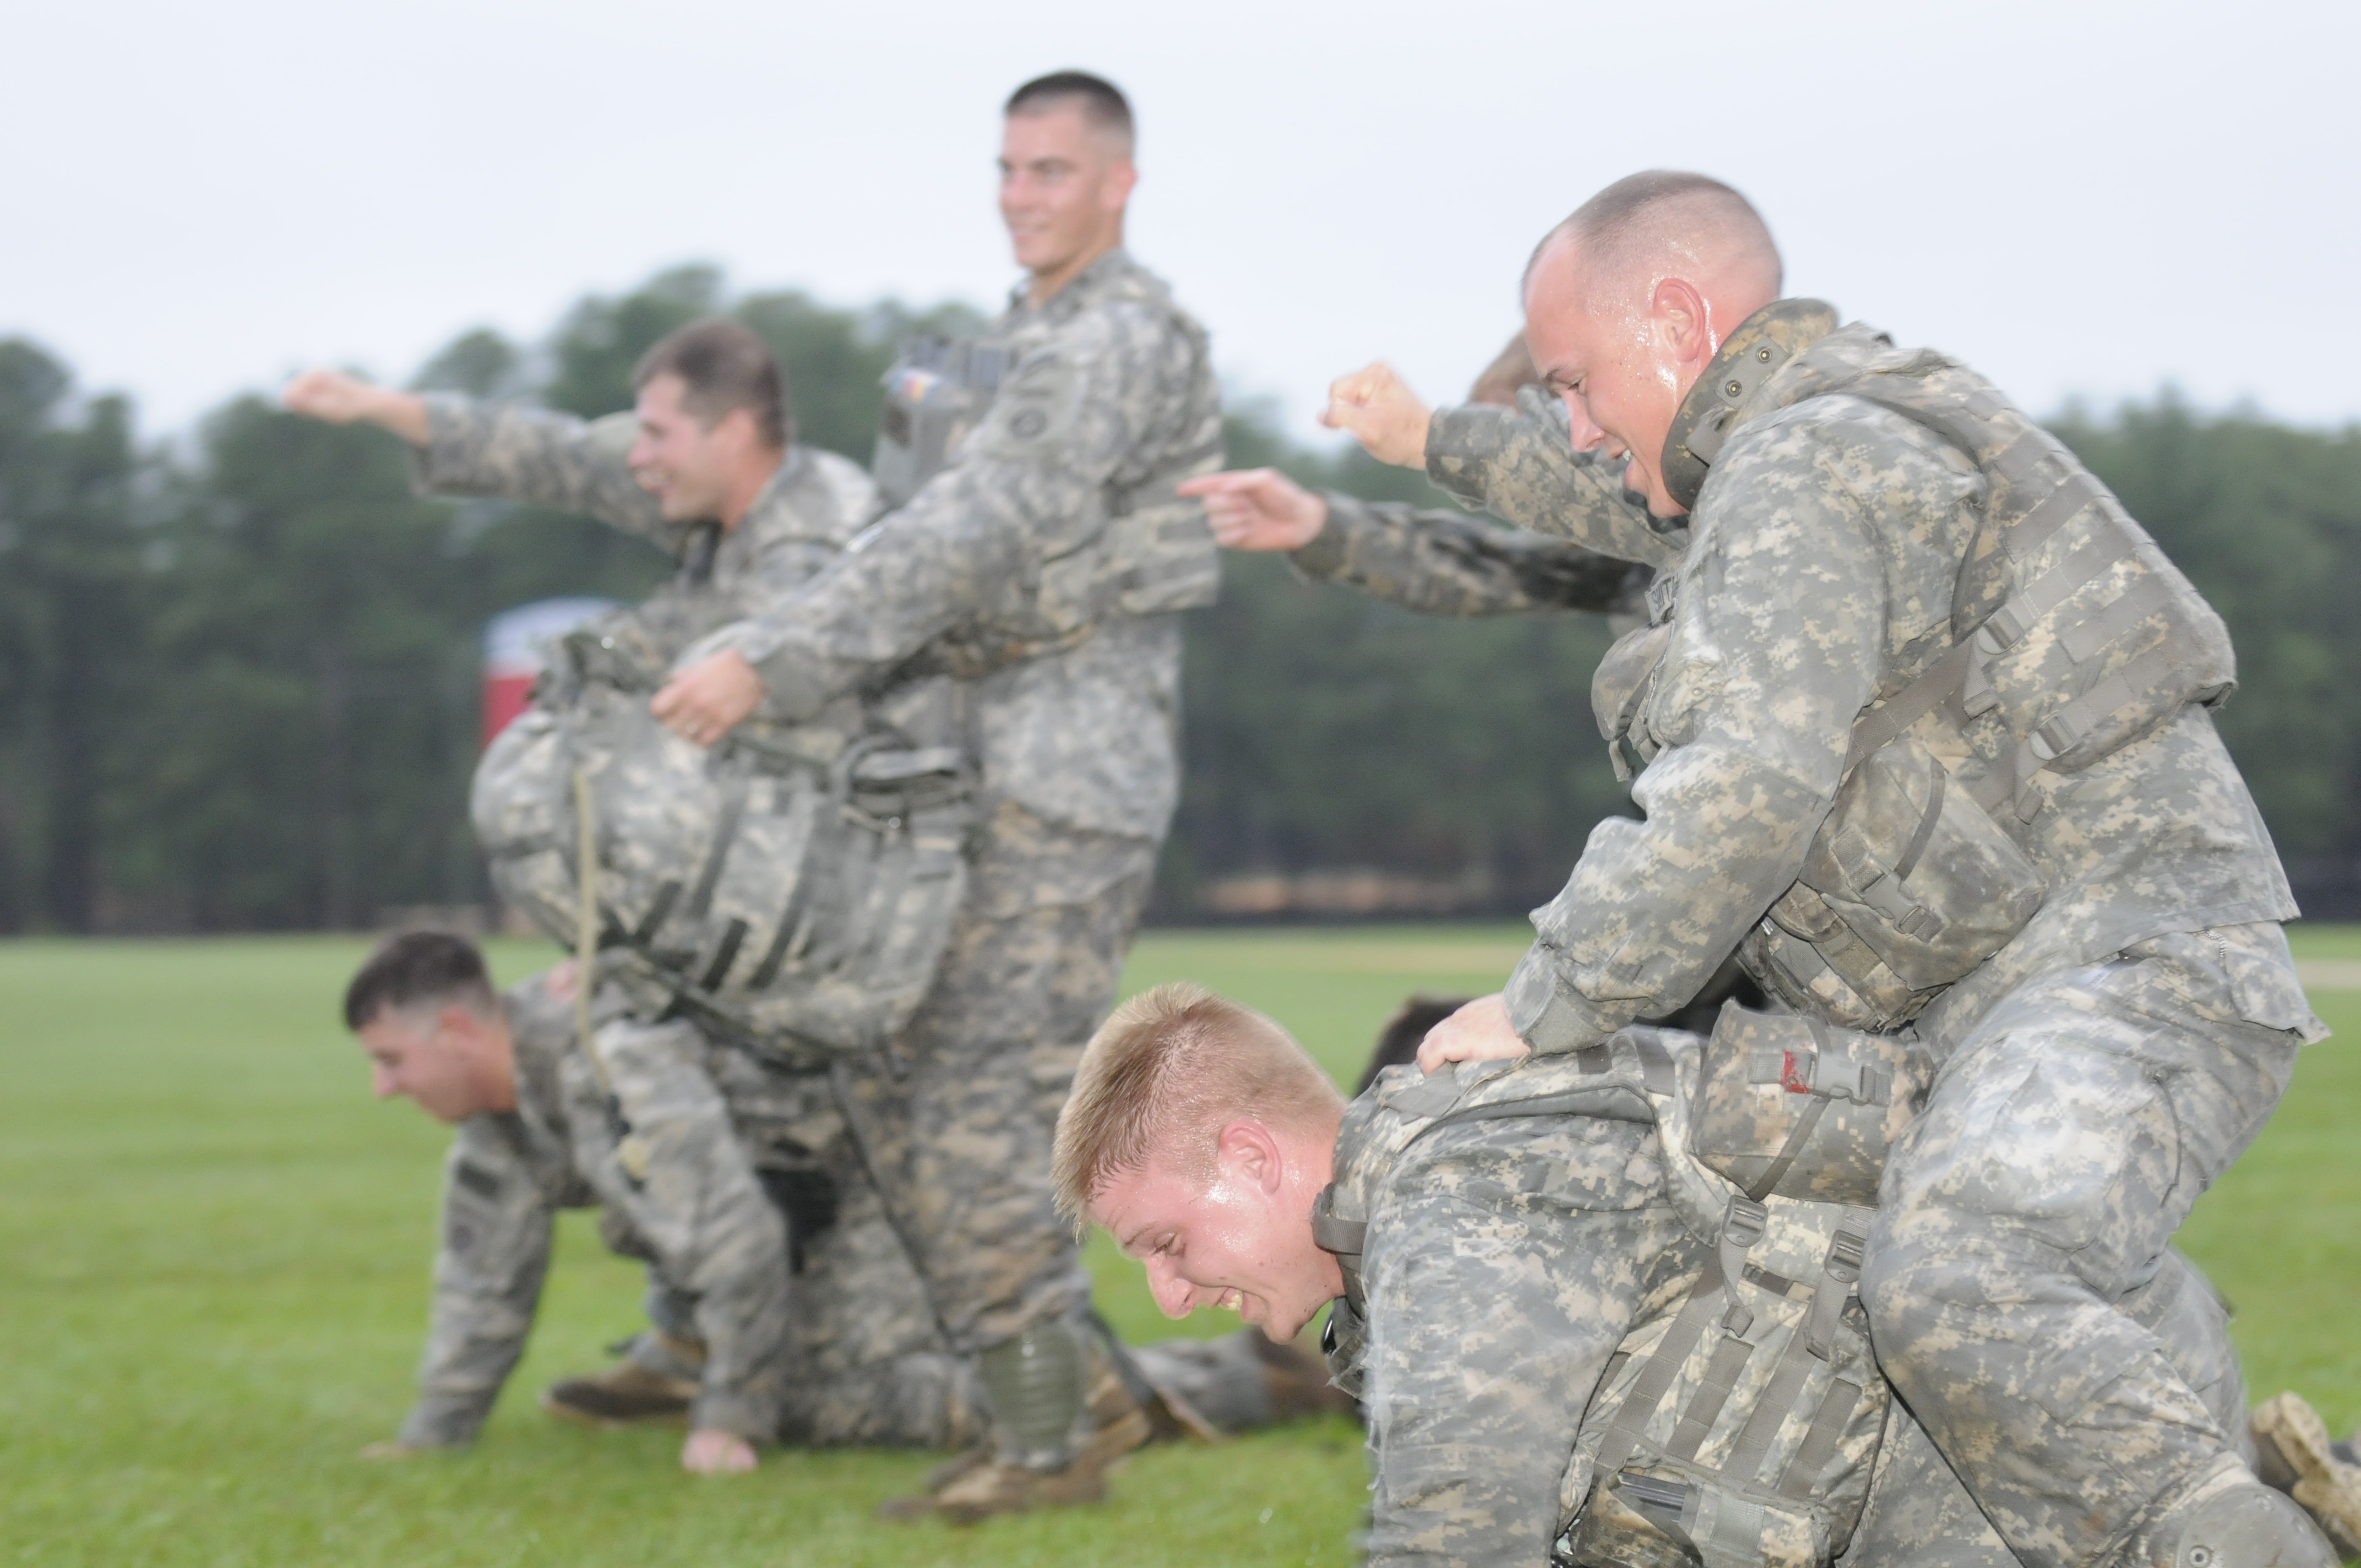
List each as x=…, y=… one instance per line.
x=1731, y=390
x=792, y=463
x=1079, y=292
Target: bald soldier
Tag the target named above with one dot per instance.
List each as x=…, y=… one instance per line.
x=1042, y=569
x=1923, y=716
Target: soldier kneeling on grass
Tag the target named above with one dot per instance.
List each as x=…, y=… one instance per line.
x=1601, y=1309
x=788, y=1312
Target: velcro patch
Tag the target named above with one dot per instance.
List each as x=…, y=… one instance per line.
x=1033, y=412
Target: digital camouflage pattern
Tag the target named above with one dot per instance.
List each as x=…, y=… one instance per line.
x=2071, y=1130
x=1520, y=464
x=1438, y=563
x=1508, y=1258
x=802, y=519
x=1825, y=547
x=959, y=1122
x=990, y=573
x=690, y=1199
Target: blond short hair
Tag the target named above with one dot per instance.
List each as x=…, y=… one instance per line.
x=1165, y=1074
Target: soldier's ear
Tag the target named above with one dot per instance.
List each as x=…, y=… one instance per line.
x=1249, y=1155
x=1685, y=319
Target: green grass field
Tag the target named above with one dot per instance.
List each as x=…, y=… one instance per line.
x=216, y=1246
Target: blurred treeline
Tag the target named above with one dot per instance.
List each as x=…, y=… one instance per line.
x=239, y=675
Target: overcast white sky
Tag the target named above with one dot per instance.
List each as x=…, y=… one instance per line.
x=2079, y=198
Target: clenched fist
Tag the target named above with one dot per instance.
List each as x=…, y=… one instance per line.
x=1377, y=407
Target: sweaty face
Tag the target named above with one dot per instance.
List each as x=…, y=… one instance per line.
x=1231, y=1242
x=421, y=1057
x=1614, y=362
x=676, y=459
x=1062, y=186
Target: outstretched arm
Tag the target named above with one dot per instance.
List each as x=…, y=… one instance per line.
x=1435, y=563
x=460, y=446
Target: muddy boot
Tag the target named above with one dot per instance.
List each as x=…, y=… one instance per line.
x=1062, y=1416
x=653, y=1385
x=2295, y=1457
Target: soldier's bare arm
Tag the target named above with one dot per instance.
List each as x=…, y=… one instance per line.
x=336, y=398
x=1376, y=407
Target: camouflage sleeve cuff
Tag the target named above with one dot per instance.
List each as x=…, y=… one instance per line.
x=1326, y=555
x=443, y=1422
x=1460, y=443
x=1553, y=1017
x=754, y=1419
x=454, y=427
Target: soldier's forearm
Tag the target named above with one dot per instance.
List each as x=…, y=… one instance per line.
x=1439, y=563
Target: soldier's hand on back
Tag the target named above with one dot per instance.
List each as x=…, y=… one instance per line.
x=1258, y=508
x=339, y=399
x=710, y=1452
x=1377, y=407
x=1477, y=1032
x=705, y=701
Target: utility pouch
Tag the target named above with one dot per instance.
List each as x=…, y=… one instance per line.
x=1741, y=1431
x=1908, y=886
x=1790, y=1106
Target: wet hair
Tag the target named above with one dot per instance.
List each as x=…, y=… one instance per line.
x=722, y=365
x=1511, y=369
x=1103, y=103
x=1168, y=1071
x=1644, y=211
x=419, y=968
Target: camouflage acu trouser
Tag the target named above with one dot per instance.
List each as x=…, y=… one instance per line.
x=2066, y=1139
x=960, y=1136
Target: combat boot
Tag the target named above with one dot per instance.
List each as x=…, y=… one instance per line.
x=655, y=1383
x=1064, y=1415
x=2295, y=1457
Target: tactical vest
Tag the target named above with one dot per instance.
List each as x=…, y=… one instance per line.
x=1739, y=1428
x=1140, y=550
x=2073, y=637
x=792, y=890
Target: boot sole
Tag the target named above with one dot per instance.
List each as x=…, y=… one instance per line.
x=2329, y=1489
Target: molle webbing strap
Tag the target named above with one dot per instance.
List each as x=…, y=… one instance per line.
x=1819, y=1443
x=791, y=924
x=1885, y=723
x=1762, y=1423
x=1925, y=831
x=1730, y=1359
x=1647, y=1391
x=725, y=831
x=2017, y=613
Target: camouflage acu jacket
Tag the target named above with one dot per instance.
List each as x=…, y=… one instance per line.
x=1826, y=546
x=1085, y=735
x=696, y=1206
x=812, y=507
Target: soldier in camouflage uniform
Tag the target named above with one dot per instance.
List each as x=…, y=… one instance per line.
x=2106, y=1062
x=1042, y=569
x=544, y=1125
x=1498, y=1266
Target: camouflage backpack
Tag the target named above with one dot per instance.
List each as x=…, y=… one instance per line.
x=1741, y=1427
x=792, y=889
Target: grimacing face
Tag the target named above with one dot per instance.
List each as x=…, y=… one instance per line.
x=1063, y=183
x=1611, y=361
x=435, y=1059
x=1238, y=1241
x=677, y=459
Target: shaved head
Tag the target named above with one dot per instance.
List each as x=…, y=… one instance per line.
x=1628, y=299
x=1663, y=223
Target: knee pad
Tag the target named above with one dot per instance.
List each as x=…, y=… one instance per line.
x=2249, y=1526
